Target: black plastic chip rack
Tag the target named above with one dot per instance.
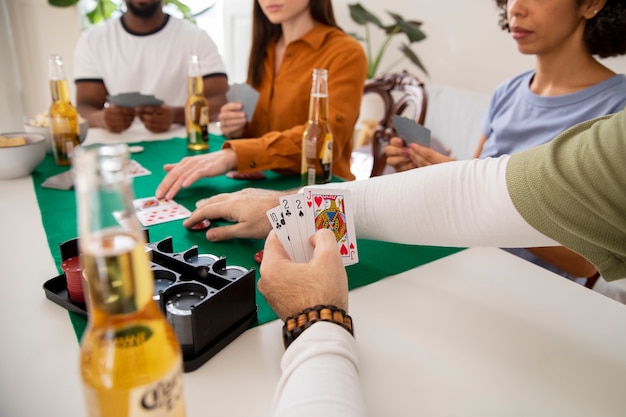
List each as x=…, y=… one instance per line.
x=208, y=302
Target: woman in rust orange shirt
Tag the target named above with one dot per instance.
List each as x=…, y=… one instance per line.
x=289, y=40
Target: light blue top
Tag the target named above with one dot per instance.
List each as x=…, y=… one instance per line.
x=518, y=119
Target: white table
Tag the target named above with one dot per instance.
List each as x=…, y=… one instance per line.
x=479, y=333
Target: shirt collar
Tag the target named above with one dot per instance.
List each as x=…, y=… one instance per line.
x=316, y=36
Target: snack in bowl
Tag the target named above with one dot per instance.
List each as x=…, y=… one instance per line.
x=20, y=154
x=13, y=141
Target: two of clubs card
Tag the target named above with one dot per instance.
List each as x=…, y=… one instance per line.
x=299, y=216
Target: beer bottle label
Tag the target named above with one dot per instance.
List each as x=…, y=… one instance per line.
x=163, y=398
x=204, y=116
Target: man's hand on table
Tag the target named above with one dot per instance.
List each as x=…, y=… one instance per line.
x=192, y=168
x=246, y=208
x=322, y=280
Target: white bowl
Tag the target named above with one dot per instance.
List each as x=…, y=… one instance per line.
x=45, y=132
x=21, y=160
x=40, y=130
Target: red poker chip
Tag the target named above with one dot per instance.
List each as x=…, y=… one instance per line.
x=258, y=257
x=203, y=225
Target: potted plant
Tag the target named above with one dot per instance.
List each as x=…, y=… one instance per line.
x=104, y=9
x=410, y=28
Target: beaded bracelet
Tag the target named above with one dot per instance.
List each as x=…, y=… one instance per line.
x=298, y=323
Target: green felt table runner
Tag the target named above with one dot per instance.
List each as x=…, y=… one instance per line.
x=58, y=211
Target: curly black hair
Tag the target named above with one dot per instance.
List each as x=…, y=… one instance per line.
x=605, y=33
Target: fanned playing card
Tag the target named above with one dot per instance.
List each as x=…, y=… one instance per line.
x=332, y=209
x=279, y=224
x=292, y=210
x=151, y=211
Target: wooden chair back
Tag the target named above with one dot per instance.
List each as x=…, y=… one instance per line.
x=399, y=92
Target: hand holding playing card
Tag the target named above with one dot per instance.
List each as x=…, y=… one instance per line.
x=410, y=131
x=156, y=119
x=232, y=120
x=299, y=216
x=117, y=119
x=246, y=95
x=290, y=287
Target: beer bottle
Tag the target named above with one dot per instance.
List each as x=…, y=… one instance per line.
x=63, y=116
x=196, y=109
x=130, y=360
x=317, y=140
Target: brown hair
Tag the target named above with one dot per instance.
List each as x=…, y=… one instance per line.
x=605, y=33
x=264, y=31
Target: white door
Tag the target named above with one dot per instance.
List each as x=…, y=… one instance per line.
x=237, y=15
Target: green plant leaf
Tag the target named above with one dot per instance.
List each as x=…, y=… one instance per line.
x=408, y=52
x=103, y=10
x=356, y=36
x=182, y=7
x=62, y=3
x=362, y=17
x=410, y=28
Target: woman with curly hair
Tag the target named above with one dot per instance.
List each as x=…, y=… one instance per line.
x=567, y=86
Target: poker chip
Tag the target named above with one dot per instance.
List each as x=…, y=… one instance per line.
x=74, y=278
x=202, y=225
x=135, y=149
x=178, y=311
x=258, y=257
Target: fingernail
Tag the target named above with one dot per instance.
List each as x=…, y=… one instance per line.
x=210, y=235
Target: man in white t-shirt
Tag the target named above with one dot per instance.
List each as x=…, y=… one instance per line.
x=145, y=51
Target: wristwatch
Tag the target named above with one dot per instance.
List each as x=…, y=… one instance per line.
x=298, y=323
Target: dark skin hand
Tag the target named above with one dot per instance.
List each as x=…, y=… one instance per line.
x=156, y=118
x=91, y=97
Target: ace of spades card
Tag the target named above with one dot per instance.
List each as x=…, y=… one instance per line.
x=332, y=209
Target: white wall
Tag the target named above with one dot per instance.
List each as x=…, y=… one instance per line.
x=38, y=31
x=465, y=47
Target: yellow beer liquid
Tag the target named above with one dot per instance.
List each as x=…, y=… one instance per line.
x=130, y=362
x=63, y=123
x=197, y=116
x=317, y=144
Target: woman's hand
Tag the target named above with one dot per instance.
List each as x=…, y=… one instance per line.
x=192, y=168
x=232, y=120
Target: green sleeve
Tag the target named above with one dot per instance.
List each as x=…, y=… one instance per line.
x=573, y=189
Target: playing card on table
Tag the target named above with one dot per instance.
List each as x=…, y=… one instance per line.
x=135, y=169
x=332, y=209
x=151, y=211
x=279, y=224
